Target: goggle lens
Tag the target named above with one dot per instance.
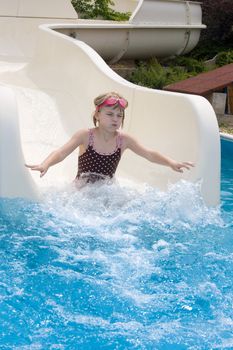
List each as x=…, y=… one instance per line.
x=111, y=101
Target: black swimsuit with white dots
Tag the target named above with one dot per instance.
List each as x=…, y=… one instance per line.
x=94, y=166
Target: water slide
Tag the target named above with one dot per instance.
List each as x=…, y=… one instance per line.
x=52, y=65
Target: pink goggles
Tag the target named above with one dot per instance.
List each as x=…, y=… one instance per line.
x=111, y=101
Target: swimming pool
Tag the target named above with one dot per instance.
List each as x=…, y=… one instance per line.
x=114, y=267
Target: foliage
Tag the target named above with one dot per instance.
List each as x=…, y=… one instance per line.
x=224, y=57
x=206, y=50
x=151, y=74
x=218, y=16
x=218, y=36
x=98, y=8
x=190, y=64
x=176, y=73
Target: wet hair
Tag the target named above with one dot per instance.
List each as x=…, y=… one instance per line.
x=101, y=98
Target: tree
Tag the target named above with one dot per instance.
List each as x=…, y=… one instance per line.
x=98, y=8
x=218, y=16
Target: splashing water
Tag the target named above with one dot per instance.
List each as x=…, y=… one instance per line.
x=116, y=267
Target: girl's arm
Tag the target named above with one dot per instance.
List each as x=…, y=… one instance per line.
x=153, y=156
x=61, y=153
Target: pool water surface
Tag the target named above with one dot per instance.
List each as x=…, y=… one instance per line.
x=115, y=267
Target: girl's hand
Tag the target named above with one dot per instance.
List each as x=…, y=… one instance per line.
x=41, y=168
x=178, y=166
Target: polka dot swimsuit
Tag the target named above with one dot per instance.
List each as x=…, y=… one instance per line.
x=94, y=166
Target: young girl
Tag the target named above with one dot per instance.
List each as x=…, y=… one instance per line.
x=101, y=148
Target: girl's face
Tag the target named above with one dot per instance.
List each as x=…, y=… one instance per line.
x=110, y=117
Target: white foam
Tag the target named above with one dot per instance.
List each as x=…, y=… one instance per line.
x=103, y=204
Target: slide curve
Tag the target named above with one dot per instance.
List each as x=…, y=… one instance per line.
x=45, y=99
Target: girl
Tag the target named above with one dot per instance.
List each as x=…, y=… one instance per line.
x=100, y=148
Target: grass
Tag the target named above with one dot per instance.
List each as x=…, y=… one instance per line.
x=226, y=129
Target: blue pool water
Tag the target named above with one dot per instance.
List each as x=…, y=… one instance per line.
x=113, y=267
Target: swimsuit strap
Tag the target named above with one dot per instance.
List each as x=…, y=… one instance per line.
x=119, y=140
x=90, y=138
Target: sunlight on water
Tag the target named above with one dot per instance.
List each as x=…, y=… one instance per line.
x=116, y=267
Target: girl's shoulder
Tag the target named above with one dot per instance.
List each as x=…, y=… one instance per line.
x=81, y=136
x=126, y=140
x=82, y=133
x=125, y=136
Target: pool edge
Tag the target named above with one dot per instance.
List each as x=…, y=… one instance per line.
x=226, y=136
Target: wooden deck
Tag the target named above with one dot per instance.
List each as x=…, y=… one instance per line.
x=205, y=83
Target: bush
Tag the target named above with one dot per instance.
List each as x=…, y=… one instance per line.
x=206, y=50
x=98, y=8
x=151, y=74
x=174, y=74
x=190, y=64
x=225, y=57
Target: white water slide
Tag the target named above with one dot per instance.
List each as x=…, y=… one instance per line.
x=50, y=74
